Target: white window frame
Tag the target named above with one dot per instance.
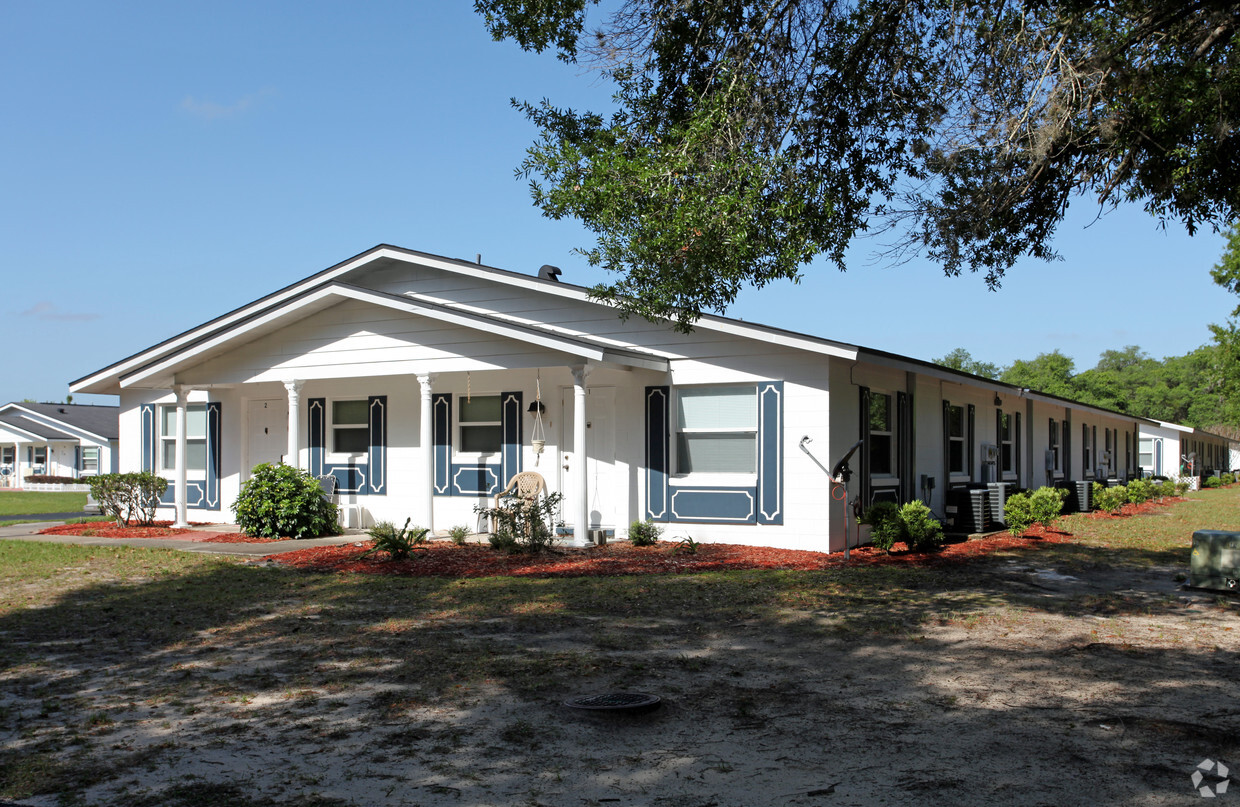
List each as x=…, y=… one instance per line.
x=1012, y=441
x=8, y=455
x=34, y=457
x=963, y=438
x=461, y=424
x=890, y=477
x=721, y=478
x=172, y=438
x=334, y=454
x=89, y=454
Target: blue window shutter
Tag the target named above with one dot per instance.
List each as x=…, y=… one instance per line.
x=657, y=454
x=211, y=493
x=376, y=474
x=316, y=421
x=947, y=446
x=441, y=409
x=510, y=455
x=905, y=444
x=770, y=452
x=1016, y=445
x=972, y=448
x=77, y=458
x=146, y=413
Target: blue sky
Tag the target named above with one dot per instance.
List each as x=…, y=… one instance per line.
x=162, y=163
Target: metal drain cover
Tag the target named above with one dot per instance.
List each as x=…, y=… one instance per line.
x=615, y=702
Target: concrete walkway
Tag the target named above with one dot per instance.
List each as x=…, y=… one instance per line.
x=29, y=532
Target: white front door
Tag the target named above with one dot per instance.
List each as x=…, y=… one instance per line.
x=601, y=478
x=267, y=432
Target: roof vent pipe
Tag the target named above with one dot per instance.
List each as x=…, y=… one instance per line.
x=478, y=258
x=549, y=272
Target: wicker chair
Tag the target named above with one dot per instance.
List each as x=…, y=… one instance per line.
x=526, y=486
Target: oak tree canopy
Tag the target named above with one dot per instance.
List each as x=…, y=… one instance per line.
x=748, y=138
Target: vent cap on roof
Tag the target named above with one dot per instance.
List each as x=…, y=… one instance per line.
x=549, y=272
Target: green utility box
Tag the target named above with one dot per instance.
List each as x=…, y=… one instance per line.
x=1216, y=560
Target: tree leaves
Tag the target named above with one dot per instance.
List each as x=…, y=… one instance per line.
x=750, y=138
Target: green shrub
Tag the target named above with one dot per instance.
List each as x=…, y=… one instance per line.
x=644, y=533
x=1181, y=487
x=1166, y=488
x=1228, y=478
x=399, y=544
x=886, y=526
x=1043, y=506
x=128, y=497
x=523, y=525
x=459, y=534
x=1110, y=499
x=1140, y=490
x=688, y=545
x=921, y=529
x=1018, y=513
x=1213, y=482
x=280, y=501
x=503, y=541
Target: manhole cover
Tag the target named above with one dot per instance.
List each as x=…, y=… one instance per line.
x=615, y=702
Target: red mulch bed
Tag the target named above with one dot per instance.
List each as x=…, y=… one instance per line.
x=237, y=538
x=157, y=529
x=443, y=559
x=109, y=529
x=1135, y=509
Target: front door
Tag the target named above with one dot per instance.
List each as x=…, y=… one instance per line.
x=601, y=477
x=267, y=437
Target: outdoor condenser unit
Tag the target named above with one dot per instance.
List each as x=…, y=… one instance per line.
x=1215, y=561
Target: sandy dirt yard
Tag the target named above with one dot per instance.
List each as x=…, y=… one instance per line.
x=997, y=682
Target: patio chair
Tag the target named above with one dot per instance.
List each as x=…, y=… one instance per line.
x=348, y=515
x=526, y=486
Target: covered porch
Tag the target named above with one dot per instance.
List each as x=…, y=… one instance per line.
x=417, y=410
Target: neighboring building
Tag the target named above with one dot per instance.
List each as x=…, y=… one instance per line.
x=1169, y=449
x=411, y=378
x=57, y=440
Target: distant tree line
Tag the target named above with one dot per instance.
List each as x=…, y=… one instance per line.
x=1199, y=389
x=1192, y=389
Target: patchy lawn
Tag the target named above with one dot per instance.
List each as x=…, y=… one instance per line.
x=1035, y=674
x=32, y=502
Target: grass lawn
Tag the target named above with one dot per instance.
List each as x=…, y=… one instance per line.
x=150, y=677
x=30, y=502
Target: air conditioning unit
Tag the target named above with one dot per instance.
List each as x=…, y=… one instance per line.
x=990, y=452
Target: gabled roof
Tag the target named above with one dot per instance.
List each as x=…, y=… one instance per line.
x=33, y=428
x=334, y=291
x=111, y=378
x=64, y=421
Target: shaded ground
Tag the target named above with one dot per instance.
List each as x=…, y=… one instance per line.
x=1065, y=674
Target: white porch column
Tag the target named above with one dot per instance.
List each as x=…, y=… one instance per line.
x=19, y=454
x=293, y=457
x=426, y=476
x=580, y=508
x=180, y=496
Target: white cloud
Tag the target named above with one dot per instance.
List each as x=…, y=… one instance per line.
x=210, y=110
x=45, y=310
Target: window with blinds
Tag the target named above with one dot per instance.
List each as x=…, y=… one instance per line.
x=717, y=429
